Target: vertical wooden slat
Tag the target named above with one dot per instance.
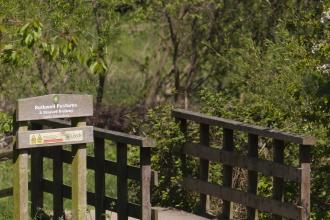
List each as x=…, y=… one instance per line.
x=145, y=163
x=122, y=191
x=79, y=173
x=278, y=183
x=305, y=160
x=36, y=177
x=21, y=180
x=99, y=178
x=228, y=145
x=183, y=129
x=204, y=203
x=252, y=175
x=58, y=181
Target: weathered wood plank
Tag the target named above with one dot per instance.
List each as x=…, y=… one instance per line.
x=6, y=192
x=145, y=166
x=122, y=190
x=21, y=180
x=134, y=210
x=110, y=166
x=55, y=137
x=264, y=204
x=305, y=164
x=104, y=133
x=99, y=166
x=36, y=177
x=58, y=207
x=183, y=128
x=204, y=202
x=79, y=174
x=278, y=183
x=124, y=138
x=235, y=125
x=235, y=159
x=228, y=145
x=252, y=175
x=9, y=191
x=54, y=106
x=36, y=181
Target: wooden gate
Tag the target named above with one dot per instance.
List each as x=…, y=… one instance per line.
x=229, y=158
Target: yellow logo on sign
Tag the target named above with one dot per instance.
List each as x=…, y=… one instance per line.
x=33, y=140
x=39, y=140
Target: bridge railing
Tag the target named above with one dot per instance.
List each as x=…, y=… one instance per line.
x=230, y=158
x=98, y=163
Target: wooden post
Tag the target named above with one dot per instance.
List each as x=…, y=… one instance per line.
x=278, y=183
x=305, y=160
x=145, y=163
x=204, y=203
x=21, y=180
x=99, y=178
x=228, y=145
x=36, y=177
x=183, y=129
x=58, y=181
x=79, y=173
x=122, y=192
x=252, y=175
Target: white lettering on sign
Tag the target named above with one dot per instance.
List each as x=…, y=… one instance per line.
x=56, y=137
x=55, y=109
x=54, y=106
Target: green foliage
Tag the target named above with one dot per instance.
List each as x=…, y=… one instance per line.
x=6, y=122
x=166, y=159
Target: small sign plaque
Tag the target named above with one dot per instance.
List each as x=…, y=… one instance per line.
x=54, y=106
x=55, y=137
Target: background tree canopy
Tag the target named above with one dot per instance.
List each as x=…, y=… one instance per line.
x=264, y=62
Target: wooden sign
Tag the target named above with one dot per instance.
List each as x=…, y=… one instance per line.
x=54, y=137
x=54, y=106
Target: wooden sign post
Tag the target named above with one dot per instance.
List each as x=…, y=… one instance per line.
x=76, y=107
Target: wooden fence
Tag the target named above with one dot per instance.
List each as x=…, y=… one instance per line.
x=229, y=158
x=100, y=166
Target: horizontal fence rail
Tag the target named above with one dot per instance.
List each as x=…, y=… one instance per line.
x=251, y=162
x=143, y=174
x=240, y=126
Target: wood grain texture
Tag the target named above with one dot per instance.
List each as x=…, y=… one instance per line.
x=110, y=167
x=36, y=181
x=122, y=190
x=236, y=125
x=264, y=204
x=21, y=180
x=79, y=173
x=252, y=175
x=204, y=202
x=99, y=165
x=305, y=164
x=24, y=137
x=45, y=107
x=36, y=177
x=104, y=133
x=145, y=166
x=278, y=183
x=58, y=207
x=228, y=145
x=265, y=167
x=134, y=210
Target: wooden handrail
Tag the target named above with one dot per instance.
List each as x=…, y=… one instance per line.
x=240, y=126
x=6, y=153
